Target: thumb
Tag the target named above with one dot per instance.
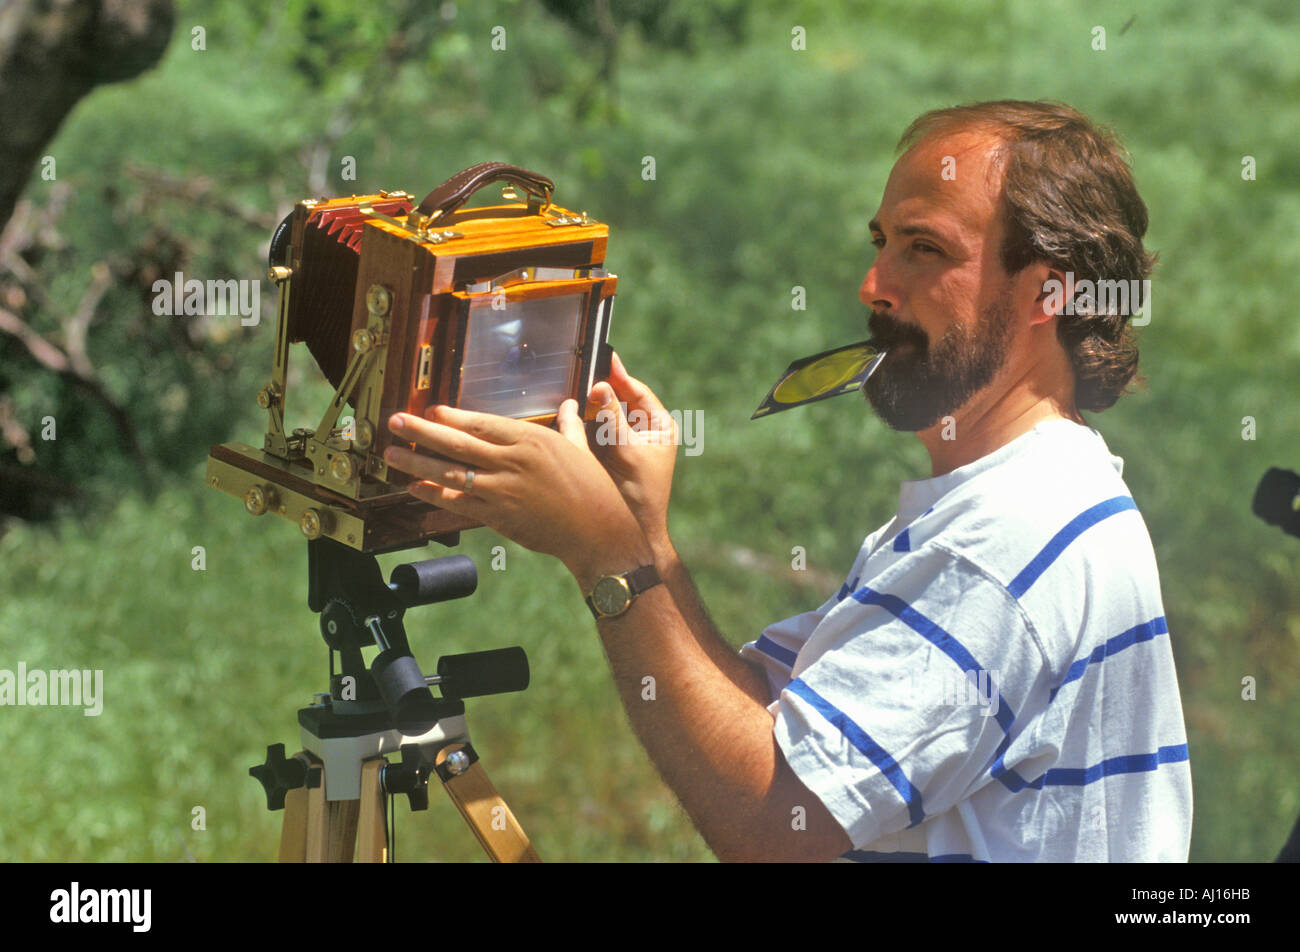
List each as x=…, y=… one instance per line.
x=602, y=395
x=632, y=391
x=570, y=424
x=607, y=412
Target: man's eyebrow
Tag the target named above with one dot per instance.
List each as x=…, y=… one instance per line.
x=906, y=231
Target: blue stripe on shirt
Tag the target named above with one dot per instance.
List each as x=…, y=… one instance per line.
x=945, y=642
x=1000, y=771
x=873, y=856
x=775, y=651
x=1059, y=542
x=1135, y=635
x=1133, y=763
x=846, y=590
x=863, y=742
x=1082, y=776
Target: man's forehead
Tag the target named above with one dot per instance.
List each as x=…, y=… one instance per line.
x=951, y=180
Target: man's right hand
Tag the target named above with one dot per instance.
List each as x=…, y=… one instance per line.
x=639, y=455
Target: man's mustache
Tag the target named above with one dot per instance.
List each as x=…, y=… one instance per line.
x=888, y=331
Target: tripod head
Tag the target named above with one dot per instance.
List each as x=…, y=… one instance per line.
x=358, y=609
x=389, y=706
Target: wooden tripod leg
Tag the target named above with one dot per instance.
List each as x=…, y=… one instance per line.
x=317, y=830
x=486, y=814
x=297, y=813
x=293, y=834
x=372, y=839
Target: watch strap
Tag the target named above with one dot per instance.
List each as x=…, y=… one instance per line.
x=638, y=580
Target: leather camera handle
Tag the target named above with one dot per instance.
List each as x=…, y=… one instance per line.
x=454, y=192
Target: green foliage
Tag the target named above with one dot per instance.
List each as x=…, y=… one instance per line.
x=768, y=163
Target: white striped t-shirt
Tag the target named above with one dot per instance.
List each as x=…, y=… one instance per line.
x=994, y=681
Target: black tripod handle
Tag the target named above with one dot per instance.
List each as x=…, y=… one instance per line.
x=482, y=672
x=1277, y=500
x=434, y=580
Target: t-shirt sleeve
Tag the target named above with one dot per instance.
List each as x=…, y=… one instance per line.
x=906, y=695
x=777, y=648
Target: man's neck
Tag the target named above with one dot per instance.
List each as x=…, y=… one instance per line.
x=991, y=420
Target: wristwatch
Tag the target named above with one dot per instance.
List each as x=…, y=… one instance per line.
x=614, y=594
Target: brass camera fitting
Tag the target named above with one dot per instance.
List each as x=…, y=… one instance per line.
x=259, y=500
x=314, y=523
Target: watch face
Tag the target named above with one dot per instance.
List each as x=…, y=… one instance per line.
x=611, y=595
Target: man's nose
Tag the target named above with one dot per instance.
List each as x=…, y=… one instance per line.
x=878, y=291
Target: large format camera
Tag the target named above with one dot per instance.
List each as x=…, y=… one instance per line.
x=503, y=309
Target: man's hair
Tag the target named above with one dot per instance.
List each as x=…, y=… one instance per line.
x=1069, y=201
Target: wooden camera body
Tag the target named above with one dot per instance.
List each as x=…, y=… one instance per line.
x=502, y=309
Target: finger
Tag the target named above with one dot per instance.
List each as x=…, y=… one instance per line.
x=444, y=473
x=642, y=406
x=489, y=427
x=445, y=498
x=632, y=391
x=570, y=424
x=602, y=395
x=602, y=405
x=444, y=440
x=610, y=415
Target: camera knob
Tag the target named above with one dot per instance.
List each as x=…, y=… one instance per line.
x=341, y=468
x=363, y=341
x=259, y=499
x=312, y=524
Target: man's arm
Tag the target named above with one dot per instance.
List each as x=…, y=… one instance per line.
x=640, y=459
x=706, y=728
x=747, y=676
x=700, y=712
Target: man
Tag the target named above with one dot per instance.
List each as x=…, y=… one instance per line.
x=994, y=681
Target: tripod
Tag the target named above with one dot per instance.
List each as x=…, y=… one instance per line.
x=333, y=790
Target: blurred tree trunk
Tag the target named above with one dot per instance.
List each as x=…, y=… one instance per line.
x=53, y=52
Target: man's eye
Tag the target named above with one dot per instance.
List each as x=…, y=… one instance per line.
x=927, y=248
x=878, y=241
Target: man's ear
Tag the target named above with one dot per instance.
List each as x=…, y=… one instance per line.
x=1049, y=287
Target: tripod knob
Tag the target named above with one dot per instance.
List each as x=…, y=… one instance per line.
x=410, y=777
x=278, y=775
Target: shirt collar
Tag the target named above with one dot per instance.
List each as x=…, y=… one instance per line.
x=917, y=495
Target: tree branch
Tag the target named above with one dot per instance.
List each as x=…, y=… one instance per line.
x=200, y=189
x=52, y=357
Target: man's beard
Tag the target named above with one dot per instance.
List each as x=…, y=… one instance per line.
x=917, y=385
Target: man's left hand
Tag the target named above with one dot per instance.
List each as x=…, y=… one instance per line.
x=540, y=487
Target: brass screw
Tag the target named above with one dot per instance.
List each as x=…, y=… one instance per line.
x=362, y=340
x=341, y=468
x=310, y=523
x=365, y=434
x=378, y=299
x=255, y=500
